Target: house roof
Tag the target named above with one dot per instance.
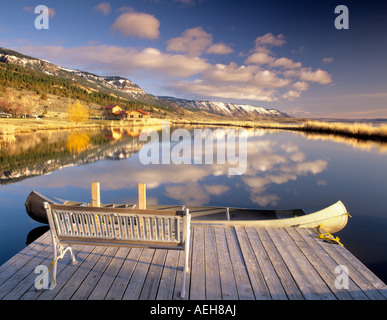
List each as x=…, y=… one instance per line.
x=140, y=111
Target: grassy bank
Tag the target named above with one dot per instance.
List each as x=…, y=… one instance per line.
x=358, y=130
x=362, y=131
x=19, y=126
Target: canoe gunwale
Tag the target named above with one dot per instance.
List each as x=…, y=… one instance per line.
x=333, y=218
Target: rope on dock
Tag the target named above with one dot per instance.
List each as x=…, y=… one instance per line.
x=326, y=236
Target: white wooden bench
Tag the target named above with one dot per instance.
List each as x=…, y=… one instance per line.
x=158, y=229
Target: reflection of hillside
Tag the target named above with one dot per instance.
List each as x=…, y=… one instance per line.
x=48, y=153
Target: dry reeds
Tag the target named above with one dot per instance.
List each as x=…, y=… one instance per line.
x=357, y=130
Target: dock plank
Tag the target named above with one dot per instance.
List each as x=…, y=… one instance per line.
x=245, y=291
x=121, y=281
x=179, y=276
x=289, y=285
x=152, y=280
x=168, y=277
x=226, y=262
x=273, y=283
x=213, y=289
x=93, y=277
x=313, y=276
x=296, y=263
x=103, y=286
x=261, y=292
x=198, y=275
x=226, y=273
x=133, y=291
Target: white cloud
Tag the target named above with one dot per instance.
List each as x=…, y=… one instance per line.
x=307, y=74
x=270, y=40
x=103, y=7
x=193, y=41
x=196, y=41
x=301, y=86
x=229, y=73
x=286, y=63
x=259, y=58
x=136, y=24
x=291, y=95
x=219, y=48
x=319, y=76
x=169, y=64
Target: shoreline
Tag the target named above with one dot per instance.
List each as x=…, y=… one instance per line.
x=356, y=130
x=361, y=131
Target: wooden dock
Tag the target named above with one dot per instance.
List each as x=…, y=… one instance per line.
x=226, y=263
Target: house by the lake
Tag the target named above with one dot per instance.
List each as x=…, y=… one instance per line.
x=137, y=115
x=115, y=112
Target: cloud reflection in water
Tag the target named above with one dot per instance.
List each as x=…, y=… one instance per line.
x=269, y=163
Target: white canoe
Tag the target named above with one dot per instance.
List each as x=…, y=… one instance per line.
x=332, y=219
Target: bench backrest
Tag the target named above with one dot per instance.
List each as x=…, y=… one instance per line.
x=118, y=226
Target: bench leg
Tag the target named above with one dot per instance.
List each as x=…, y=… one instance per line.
x=186, y=265
x=185, y=271
x=73, y=259
x=59, y=247
x=53, y=266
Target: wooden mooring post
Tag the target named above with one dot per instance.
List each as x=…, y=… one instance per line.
x=95, y=194
x=142, y=196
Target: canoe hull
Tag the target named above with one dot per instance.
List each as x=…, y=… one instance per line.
x=34, y=206
x=332, y=219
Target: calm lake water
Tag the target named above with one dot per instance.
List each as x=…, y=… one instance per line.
x=284, y=170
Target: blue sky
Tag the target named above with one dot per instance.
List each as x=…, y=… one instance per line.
x=276, y=54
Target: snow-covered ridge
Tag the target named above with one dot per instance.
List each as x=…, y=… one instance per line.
x=227, y=109
x=235, y=109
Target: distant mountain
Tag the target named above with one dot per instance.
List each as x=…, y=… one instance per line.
x=126, y=89
x=227, y=109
